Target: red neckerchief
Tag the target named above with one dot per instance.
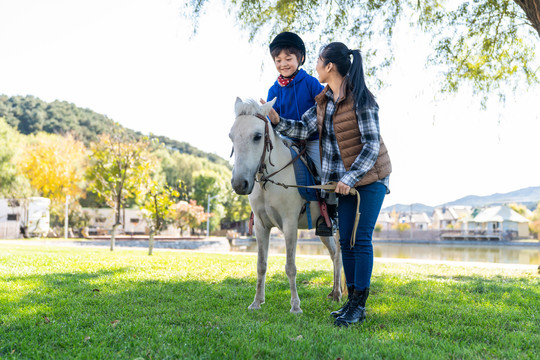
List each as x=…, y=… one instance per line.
x=283, y=81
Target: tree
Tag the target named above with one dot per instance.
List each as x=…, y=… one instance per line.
x=189, y=214
x=237, y=207
x=488, y=45
x=534, y=225
x=210, y=184
x=157, y=202
x=11, y=185
x=519, y=208
x=119, y=167
x=54, y=172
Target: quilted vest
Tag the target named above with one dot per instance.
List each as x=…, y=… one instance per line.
x=348, y=135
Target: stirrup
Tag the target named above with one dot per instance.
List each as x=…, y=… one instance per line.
x=322, y=229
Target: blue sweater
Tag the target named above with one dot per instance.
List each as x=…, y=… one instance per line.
x=297, y=97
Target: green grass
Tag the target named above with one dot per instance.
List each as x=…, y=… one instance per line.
x=89, y=303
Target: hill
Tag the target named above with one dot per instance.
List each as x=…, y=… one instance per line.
x=528, y=196
x=406, y=208
x=30, y=115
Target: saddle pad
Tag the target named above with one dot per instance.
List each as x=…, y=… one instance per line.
x=304, y=178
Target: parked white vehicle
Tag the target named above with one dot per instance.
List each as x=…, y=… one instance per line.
x=38, y=216
x=24, y=217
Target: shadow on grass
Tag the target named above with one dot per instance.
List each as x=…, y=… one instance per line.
x=115, y=313
x=66, y=313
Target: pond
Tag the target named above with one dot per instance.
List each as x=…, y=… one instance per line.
x=491, y=253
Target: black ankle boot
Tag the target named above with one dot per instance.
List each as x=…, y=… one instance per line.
x=343, y=309
x=356, y=313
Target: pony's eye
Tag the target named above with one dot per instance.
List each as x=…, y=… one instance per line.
x=257, y=137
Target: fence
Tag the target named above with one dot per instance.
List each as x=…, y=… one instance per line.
x=438, y=235
x=410, y=234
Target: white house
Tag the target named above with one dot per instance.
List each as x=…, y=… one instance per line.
x=385, y=220
x=420, y=221
x=449, y=216
x=499, y=219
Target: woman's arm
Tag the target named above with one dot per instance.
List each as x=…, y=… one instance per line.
x=299, y=129
x=368, y=123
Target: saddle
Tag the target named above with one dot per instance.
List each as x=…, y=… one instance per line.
x=306, y=175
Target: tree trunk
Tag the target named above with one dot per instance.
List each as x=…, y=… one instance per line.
x=113, y=234
x=532, y=11
x=116, y=219
x=151, y=241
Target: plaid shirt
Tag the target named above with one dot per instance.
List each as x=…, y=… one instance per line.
x=332, y=165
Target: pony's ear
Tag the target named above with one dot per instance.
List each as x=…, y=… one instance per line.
x=238, y=103
x=266, y=107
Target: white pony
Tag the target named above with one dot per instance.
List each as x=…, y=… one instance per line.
x=259, y=152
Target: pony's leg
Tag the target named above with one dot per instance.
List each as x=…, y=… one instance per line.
x=263, y=240
x=291, y=236
x=332, y=244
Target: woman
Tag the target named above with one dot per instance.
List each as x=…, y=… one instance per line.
x=353, y=155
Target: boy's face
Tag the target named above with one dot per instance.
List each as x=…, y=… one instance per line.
x=286, y=63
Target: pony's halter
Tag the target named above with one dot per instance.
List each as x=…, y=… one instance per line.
x=268, y=147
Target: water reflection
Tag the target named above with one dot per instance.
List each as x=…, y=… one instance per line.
x=528, y=255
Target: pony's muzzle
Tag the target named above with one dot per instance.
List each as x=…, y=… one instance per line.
x=242, y=186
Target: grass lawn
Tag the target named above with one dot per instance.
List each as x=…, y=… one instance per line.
x=89, y=303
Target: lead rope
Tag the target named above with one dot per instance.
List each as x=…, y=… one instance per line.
x=331, y=186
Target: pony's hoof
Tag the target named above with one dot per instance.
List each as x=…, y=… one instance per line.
x=254, y=306
x=296, y=311
x=334, y=296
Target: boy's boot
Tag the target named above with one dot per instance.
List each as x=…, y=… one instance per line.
x=322, y=228
x=356, y=313
x=346, y=306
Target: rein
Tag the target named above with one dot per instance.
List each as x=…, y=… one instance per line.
x=331, y=186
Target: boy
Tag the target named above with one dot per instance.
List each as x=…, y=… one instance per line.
x=295, y=91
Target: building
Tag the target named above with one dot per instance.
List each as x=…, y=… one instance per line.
x=499, y=219
x=101, y=221
x=385, y=221
x=446, y=217
x=24, y=217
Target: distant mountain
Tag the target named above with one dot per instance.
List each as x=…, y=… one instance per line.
x=528, y=196
x=30, y=115
x=403, y=208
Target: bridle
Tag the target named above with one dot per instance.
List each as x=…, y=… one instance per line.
x=262, y=176
x=267, y=147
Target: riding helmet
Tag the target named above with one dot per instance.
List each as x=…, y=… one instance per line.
x=286, y=39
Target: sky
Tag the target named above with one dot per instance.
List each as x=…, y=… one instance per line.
x=139, y=63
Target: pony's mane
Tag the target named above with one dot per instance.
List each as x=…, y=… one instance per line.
x=252, y=107
x=248, y=107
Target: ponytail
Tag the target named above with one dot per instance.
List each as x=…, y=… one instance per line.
x=339, y=54
x=362, y=95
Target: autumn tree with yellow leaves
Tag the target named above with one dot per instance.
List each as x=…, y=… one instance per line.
x=55, y=166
